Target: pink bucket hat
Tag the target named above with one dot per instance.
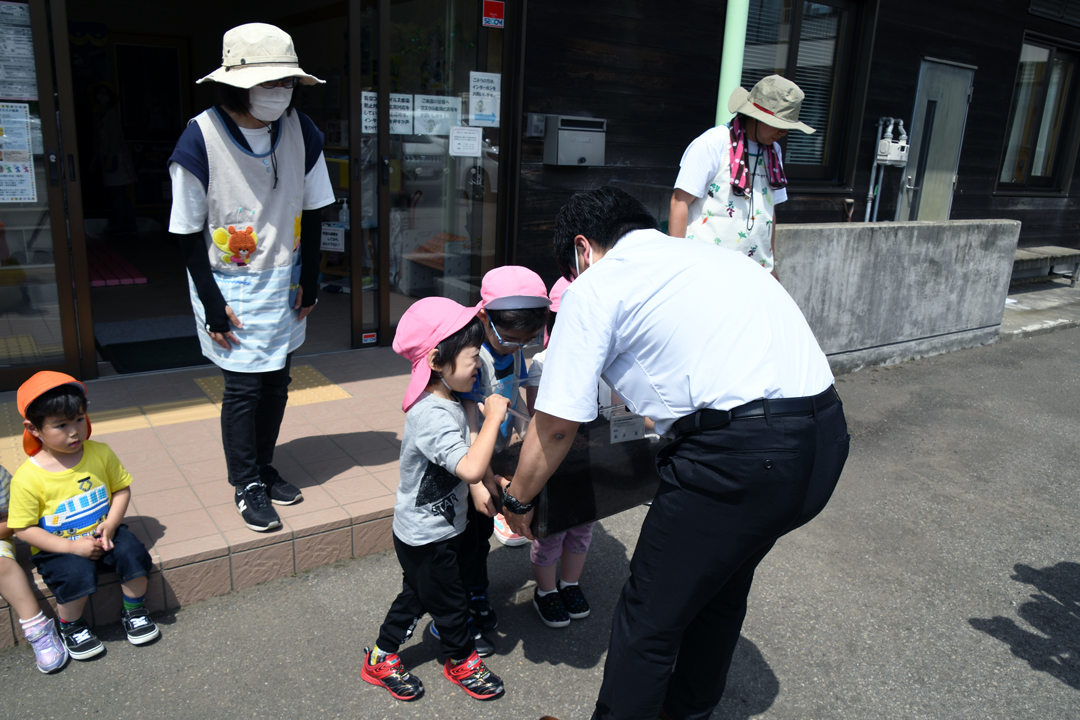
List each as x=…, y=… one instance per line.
x=512, y=287
x=423, y=326
x=556, y=293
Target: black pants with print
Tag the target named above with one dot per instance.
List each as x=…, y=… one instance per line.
x=432, y=584
x=728, y=495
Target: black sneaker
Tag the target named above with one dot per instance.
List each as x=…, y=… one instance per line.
x=280, y=490
x=254, y=506
x=474, y=678
x=484, y=648
x=482, y=614
x=139, y=627
x=80, y=641
x=551, y=609
x=577, y=607
x=392, y=675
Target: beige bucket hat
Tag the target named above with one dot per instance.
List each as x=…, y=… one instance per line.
x=774, y=101
x=257, y=53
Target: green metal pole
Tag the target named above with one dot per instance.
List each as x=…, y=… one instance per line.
x=731, y=58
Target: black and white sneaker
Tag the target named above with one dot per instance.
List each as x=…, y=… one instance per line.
x=80, y=640
x=280, y=490
x=139, y=627
x=255, y=508
x=484, y=648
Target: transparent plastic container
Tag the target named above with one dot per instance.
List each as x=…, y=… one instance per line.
x=611, y=467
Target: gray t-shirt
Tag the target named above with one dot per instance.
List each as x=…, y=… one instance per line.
x=430, y=498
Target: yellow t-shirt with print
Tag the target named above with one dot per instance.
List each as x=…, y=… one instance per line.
x=68, y=504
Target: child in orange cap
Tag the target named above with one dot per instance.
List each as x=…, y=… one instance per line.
x=68, y=503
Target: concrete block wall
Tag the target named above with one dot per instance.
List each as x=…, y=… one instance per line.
x=879, y=293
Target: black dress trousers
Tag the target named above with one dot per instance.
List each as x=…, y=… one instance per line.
x=729, y=494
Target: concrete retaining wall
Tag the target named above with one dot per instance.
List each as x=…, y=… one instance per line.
x=887, y=292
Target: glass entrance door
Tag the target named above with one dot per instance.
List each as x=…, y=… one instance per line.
x=37, y=310
x=441, y=167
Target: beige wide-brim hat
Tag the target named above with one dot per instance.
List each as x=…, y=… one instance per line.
x=775, y=101
x=257, y=53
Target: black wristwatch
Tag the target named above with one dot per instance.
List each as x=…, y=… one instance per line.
x=512, y=504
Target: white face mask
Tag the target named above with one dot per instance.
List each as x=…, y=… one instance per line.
x=269, y=105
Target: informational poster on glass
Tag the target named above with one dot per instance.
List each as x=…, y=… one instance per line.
x=18, y=77
x=484, y=99
x=465, y=141
x=16, y=159
x=401, y=113
x=435, y=114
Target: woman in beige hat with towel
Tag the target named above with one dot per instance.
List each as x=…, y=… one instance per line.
x=731, y=178
x=248, y=180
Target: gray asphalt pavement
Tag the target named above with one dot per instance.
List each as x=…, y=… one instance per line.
x=943, y=581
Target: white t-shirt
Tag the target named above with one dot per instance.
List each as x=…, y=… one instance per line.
x=704, y=157
x=189, y=206
x=674, y=326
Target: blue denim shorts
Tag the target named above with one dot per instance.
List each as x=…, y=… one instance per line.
x=71, y=576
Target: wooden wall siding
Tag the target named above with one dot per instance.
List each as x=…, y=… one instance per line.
x=985, y=34
x=651, y=69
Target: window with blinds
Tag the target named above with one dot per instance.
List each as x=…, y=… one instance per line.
x=808, y=43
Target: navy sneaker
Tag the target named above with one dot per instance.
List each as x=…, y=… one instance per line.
x=278, y=489
x=484, y=648
x=254, y=507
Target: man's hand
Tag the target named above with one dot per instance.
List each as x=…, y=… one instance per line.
x=520, y=524
x=304, y=311
x=223, y=339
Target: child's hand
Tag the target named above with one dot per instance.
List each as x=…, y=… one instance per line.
x=495, y=407
x=482, y=500
x=87, y=547
x=104, y=534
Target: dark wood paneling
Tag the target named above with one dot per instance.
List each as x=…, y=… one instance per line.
x=650, y=69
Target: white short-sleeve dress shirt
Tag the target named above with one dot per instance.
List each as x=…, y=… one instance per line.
x=674, y=326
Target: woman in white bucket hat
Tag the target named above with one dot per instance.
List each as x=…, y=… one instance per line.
x=731, y=178
x=248, y=181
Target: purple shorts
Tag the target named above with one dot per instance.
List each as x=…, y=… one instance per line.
x=576, y=540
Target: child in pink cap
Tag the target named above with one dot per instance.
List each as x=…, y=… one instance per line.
x=560, y=603
x=514, y=309
x=442, y=341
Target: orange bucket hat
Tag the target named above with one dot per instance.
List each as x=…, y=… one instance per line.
x=34, y=388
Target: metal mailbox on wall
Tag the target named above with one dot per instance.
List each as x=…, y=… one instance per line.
x=574, y=140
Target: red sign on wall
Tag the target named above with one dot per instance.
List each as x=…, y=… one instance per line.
x=494, y=12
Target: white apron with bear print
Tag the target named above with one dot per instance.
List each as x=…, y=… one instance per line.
x=252, y=234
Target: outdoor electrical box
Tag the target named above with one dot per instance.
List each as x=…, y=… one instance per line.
x=574, y=140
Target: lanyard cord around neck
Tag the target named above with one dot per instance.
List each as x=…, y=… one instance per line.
x=753, y=177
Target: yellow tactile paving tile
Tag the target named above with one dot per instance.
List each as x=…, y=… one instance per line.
x=119, y=420
x=19, y=349
x=180, y=411
x=308, y=386
x=11, y=452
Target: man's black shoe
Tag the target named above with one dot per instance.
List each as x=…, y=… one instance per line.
x=255, y=508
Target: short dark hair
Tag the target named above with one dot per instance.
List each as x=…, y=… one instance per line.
x=603, y=216
x=238, y=100
x=472, y=335
x=66, y=401
x=525, y=320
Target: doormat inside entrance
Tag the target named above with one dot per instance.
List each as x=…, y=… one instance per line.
x=150, y=355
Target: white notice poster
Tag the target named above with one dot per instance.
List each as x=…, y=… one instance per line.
x=465, y=141
x=436, y=114
x=484, y=98
x=16, y=159
x=401, y=106
x=18, y=76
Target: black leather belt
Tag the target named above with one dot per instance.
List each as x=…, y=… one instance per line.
x=709, y=419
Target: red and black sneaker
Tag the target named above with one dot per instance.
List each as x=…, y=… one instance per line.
x=474, y=678
x=393, y=676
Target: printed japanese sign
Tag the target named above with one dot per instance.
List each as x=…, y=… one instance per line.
x=16, y=154
x=484, y=98
x=435, y=114
x=401, y=113
x=465, y=141
x=18, y=75
x=494, y=14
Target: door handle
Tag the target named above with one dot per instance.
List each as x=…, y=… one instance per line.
x=54, y=168
x=909, y=185
x=385, y=169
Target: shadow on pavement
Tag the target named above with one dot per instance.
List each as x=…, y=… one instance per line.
x=752, y=686
x=1054, y=613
